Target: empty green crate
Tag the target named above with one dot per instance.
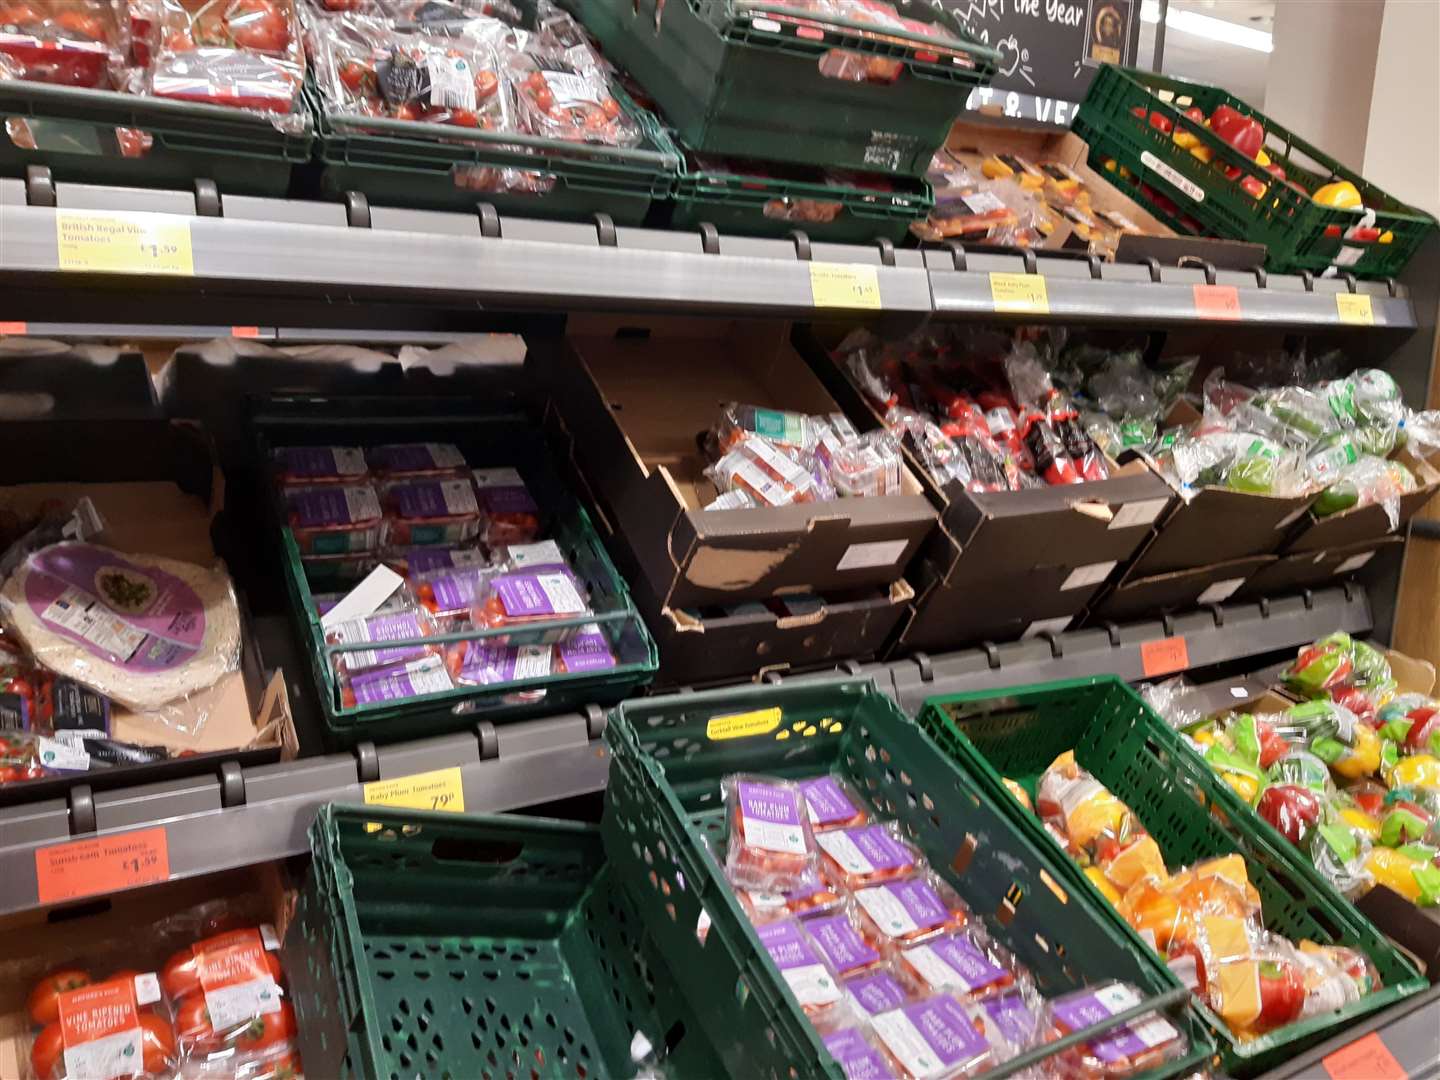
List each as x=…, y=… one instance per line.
x=738, y=82
x=482, y=946
x=1191, y=813
x=95, y=137
x=1298, y=233
x=663, y=812
x=434, y=167
x=488, y=440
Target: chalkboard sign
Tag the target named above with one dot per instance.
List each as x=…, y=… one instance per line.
x=1051, y=48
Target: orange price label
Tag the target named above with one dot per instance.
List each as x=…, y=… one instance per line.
x=245, y=331
x=1164, y=657
x=13, y=328
x=105, y=864
x=1217, y=302
x=1364, y=1059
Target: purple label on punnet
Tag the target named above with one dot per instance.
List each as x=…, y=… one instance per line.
x=921, y=902
x=882, y=849
x=309, y=461
x=586, y=651
x=856, y=1057
x=382, y=628
x=507, y=500
x=1080, y=1010
x=317, y=507
x=828, y=801
x=458, y=589
x=942, y=1023
x=762, y=802
x=414, y=457
x=877, y=992
x=423, y=499
x=531, y=595
x=423, y=560
x=968, y=961
x=841, y=942
x=399, y=681
x=1012, y=1017
x=786, y=945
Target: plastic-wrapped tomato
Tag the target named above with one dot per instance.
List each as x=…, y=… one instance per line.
x=181, y=975
x=43, y=1004
x=70, y=43
x=194, y=1028
x=243, y=53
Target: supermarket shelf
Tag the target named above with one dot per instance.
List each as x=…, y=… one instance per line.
x=1092, y=291
x=1214, y=635
x=1409, y=1033
x=243, y=816
x=324, y=264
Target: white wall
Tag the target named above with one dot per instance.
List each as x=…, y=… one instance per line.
x=1402, y=145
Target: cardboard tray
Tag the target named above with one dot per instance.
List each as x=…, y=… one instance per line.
x=1177, y=590
x=158, y=490
x=616, y=400
x=1307, y=569
x=1364, y=523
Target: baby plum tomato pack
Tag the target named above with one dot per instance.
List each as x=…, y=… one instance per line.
x=884, y=957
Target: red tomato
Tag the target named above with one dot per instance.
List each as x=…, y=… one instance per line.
x=486, y=83
x=77, y=22
x=157, y=1042
x=179, y=41
x=19, y=15
x=258, y=25
x=192, y=1024
x=407, y=111
x=48, y=1049
x=43, y=1005
x=355, y=75
x=181, y=975
x=464, y=118
x=133, y=142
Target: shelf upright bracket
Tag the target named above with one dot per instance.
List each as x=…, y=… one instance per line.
x=1057, y=651
x=1155, y=271
x=489, y=740
x=232, y=784
x=709, y=238
x=1112, y=628
x=595, y=722
x=802, y=244
x=605, y=230
x=39, y=186
x=82, y=810
x=207, y=199
x=357, y=210
x=992, y=655
x=368, y=762
x=1096, y=273
x=887, y=250
x=1262, y=278
x=490, y=227
x=957, y=255
x=927, y=669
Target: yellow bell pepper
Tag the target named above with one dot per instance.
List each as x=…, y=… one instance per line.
x=1021, y=795
x=1341, y=194
x=1361, y=822
x=1363, y=758
x=1247, y=787
x=1261, y=158
x=1204, y=153
x=1387, y=237
x=1419, y=770
x=1414, y=879
x=1100, y=881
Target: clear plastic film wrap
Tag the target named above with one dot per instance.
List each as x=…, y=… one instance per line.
x=1094, y=826
x=764, y=472
x=771, y=846
x=65, y=42
x=562, y=90
x=1367, y=481
x=1126, y=1050
x=111, y=1027
x=247, y=54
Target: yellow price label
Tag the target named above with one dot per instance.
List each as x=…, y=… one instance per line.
x=128, y=243
x=1355, y=308
x=438, y=790
x=844, y=285
x=1023, y=293
x=740, y=725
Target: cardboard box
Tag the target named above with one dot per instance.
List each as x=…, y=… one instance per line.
x=42, y=379
x=633, y=408
x=1309, y=569
x=1178, y=590
x=137, y=930
x=1364, y=523
x=156, y=487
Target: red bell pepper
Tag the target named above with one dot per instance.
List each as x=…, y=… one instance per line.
x=1282, y=995
x=1242, y=132
x=1292, y=809
x=1272, y=744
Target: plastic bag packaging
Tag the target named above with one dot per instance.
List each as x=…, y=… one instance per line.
x=368, y=67
x=335, y=519
x=142, y=630
x=813, y=897
x=895, y=914
x=1340, y=851
x=36, y=701
x=837, y=936
x=375, y=630
x=765, y=473
x=966, y=963
x=69, y=43
x=934, y=1039
x=396, y=682
x=879, y=990
x=111, y=1028
x=453, y=594
x=1367, y=481
x=1254, y=980
x=1167, y=910
x=1168, y=699
x=439, y=511
x=1240, y=460
x=870, y=465
x=770, y=844
x=1412, y=721
x=303, y=466
x=804, y=968
x=867, y=854
x=562, y=90
x=1127, y=1050
x=833, y=803
x=586, y=650
x=509, y=514
x=243, y=53
x=409, y=461
x=1294, y=811
x=227, y=995
x=485, y=662
x=416, y=563
x=20, y=758
x=540, y=595
x=1095, y=826
x=1410, y=871
x=791, y=430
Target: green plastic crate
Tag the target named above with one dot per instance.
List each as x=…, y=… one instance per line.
x=74, y=131
x=403, y=163
x=663, y=810
x=735, y=201
x=737, y=82
x=429, y=944
x=1298, y=233
x=1017, y=733
x=487, y=439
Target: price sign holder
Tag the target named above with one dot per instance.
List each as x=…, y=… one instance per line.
x=104, y=864
x=441, y=789
x=1164, y=656
x=1217, y=302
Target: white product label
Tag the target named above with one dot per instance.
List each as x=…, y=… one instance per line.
x=452, y=83
x=1117, y=998
x=1239, y=693
x=903, y=1039
x=782, y=465
x=875, y=553
x=349, y=460
x=773, y=835
x=533, y=661
x=768, y=902
x=459, y=497
x=545, y=553
x=1185, y=184
x=83, y=615
x=231, y=1006
x=362, y=504
x=79, y=735
x=488, y=478
x=843, y=850
x=886, y=911
x=935, y=971
x=763, y=486
x=1137, y=513
x=55, y=754
x=982, y=202
x=1290, y=519
x=1347, y=256
x=1040, y=626
x=1092, y=574
x=1354, y=562
x=569, y=90
x=1074, y=792
x=1186, y=971
x=113, y=1055
x=269, y=938
x=813, y=984
x=1000, y=420
x=560, y=590
x=365, y=599
x=427, y=675
x=1221, y=590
